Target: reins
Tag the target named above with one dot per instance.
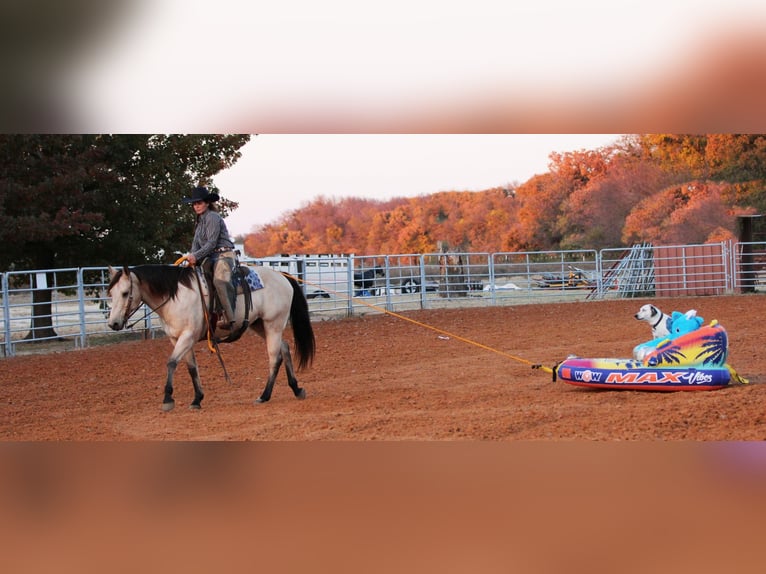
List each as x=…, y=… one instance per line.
x=212, y=342
x=146, y=313
x=134, y=311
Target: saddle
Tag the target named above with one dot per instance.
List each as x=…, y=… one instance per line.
x=243, y=283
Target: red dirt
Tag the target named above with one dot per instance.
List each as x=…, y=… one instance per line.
x=380, y=377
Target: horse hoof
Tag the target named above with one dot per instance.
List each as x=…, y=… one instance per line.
x=193, y=407
x=301, y=394
x=168, y=406
x=260, y=400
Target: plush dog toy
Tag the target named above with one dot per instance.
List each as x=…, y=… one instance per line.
x=682, y=323
x=679, y=324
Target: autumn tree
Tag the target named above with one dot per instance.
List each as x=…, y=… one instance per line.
x=703, y=215
x=322, y=225
x=588, y=199
x=706, y=160
x=736, y=157
x=540, y=199
x=740, y=159
x=542, y=219
x=684, y=154
x=689, y=213
x=595, y=214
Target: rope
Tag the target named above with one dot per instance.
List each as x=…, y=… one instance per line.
x=431, y=327
x=184, y=259
x=211, y=344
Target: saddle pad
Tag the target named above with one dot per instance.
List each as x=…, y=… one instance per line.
x=252, y=279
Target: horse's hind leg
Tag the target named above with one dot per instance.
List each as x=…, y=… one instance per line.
x=282, y=356
x=266, y=394
x=292, y=380
x=274, y=347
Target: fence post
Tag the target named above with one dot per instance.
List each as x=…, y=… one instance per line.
x=387, y=279
x=81, y=307
x=491, y=278
x=8, y=348
x=423, y=298
x=746, y=259
x=350, y=286
x=599, y=269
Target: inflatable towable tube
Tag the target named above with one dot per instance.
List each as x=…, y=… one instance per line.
x=695, y=361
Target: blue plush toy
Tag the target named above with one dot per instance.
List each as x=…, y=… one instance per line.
x=680, y=324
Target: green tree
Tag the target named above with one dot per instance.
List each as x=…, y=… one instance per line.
x=86, y=200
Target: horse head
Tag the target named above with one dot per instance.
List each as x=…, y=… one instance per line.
x=125, y=297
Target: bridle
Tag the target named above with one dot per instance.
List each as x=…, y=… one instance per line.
x=127, y=316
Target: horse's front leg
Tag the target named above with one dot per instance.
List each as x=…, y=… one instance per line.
x=191, y=365
x=182, y=346
x=168, y=403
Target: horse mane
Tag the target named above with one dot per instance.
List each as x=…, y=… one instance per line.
x=161, y=280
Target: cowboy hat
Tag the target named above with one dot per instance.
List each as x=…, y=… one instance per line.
x=201, y=194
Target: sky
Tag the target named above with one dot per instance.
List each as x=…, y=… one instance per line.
x=424, y=66
x=279, y=173
x=436, y=68
x=411, y=97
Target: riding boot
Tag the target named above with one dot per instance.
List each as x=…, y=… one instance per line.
x=228, y=297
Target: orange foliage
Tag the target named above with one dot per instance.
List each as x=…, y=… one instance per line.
x=736, y=157
x=658, y=188
x=683, y=153
x=686, y=214
x=594, y=215
x=540, y=200
x=464, y=220
x=580, y=167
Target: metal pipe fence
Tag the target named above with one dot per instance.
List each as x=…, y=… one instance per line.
x=54, y=309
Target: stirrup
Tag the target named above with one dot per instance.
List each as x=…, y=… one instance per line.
x=225, y=325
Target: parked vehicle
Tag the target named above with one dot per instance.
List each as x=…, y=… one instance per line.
x=576, y=279
x=367, y=281
x=318, y=293
x=412, y=285
x=509, y=286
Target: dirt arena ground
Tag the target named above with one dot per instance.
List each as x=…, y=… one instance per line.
x=379, y=377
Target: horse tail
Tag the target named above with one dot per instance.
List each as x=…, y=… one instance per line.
x=305, y=343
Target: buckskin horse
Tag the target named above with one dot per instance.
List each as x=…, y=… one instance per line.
x=180, y=297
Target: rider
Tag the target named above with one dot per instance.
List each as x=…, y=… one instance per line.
x=213, y=247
